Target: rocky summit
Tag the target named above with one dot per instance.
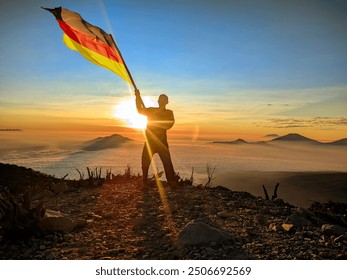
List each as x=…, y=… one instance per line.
x=116, y=218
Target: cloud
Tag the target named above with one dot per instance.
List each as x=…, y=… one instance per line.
x=316, y=122
x=10, y=129
x=329, y=102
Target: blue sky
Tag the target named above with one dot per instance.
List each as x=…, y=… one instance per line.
x=224, y=64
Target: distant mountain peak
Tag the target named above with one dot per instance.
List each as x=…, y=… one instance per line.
x=107, y=142
x=237, y=141
x=295, y=137
x=241, y=141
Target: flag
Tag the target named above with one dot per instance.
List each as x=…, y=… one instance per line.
x=91, y=42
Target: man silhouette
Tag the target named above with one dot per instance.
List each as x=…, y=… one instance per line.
x=159, y=120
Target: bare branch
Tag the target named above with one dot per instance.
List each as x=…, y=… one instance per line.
x=275, y=191
x=210, y=171
x=265, y=193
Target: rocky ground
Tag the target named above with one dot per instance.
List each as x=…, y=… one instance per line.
x=115, y=218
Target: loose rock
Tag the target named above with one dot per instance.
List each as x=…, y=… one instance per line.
x=197, y=233
x=57, y=221
x=333, y=230
x=297, y=220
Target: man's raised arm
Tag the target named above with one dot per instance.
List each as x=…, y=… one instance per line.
x=140, y=106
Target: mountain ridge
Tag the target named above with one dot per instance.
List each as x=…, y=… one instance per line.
x=288, y=138
x=106, y=142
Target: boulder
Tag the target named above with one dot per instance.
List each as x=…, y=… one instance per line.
x=54, y=221
x=199, y=233
x=309, y=215
x=59, y=187
x=43, y=194
x=335, y=230
x=297, y=220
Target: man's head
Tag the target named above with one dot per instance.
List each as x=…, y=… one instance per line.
x=163, y=100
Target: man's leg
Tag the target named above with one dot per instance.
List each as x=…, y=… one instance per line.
x=165, y=157
x=146, y=162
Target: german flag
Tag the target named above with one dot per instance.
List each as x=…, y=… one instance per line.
x=90, y=41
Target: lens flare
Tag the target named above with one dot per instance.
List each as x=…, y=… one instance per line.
x=126, y=111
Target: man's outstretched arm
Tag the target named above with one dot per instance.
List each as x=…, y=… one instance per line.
x=140, y=106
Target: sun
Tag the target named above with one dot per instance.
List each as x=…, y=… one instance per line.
x=126, y=111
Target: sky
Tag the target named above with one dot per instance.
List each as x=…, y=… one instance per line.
x=232, y=69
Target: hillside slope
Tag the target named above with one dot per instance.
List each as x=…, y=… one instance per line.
x=125, y=221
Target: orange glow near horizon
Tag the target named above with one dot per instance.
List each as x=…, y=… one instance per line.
x=87, y=122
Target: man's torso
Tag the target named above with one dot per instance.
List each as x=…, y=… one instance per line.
x=158, y=121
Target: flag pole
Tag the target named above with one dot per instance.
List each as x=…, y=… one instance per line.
x=126, y=67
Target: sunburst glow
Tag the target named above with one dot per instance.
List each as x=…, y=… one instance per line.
x=126, y=111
